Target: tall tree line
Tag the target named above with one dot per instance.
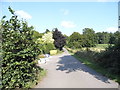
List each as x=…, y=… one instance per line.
x=89, y=38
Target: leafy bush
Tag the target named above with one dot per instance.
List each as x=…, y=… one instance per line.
x=110, y=59
x=19, y=53
x=88, y=54
x=47, y=47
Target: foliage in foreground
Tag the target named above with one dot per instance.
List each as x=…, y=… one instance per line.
x=19, y=53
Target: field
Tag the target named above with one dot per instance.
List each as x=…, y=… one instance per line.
x=97, y=48
x=100, y=47
x=103, y=46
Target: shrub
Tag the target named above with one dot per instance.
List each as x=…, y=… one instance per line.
x=53, y=52
x=47, y=47
x=109, y=59
x=19, y=53
x=88, y=54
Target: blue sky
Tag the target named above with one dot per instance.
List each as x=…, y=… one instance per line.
x=68, y=17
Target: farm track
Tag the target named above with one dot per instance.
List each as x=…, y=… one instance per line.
x=65, y=71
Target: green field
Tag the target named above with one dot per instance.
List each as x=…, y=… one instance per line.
x=102, y=46
x=97, y=48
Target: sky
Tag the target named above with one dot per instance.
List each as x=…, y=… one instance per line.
x=68, y=17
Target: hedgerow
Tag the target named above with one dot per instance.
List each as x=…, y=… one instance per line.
x=19, y=52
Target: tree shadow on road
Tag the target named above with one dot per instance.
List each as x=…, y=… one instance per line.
x=69, y=64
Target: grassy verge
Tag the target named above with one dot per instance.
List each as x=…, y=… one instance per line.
x=90, y=63
x=41, y=75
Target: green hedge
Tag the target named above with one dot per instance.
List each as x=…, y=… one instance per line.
x=19, y=52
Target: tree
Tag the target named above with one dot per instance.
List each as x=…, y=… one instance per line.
x=106, y=37
x=75, y=40
x=59, y=39
x=117, y=36
x=66, y=38
x=112, y=38
x=47, y=31
x=47, y=37
x=89, y=37
x=103, y=37
x=46, y=42
x=100, y=38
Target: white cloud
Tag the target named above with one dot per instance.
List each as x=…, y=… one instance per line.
x=65, y=11
x=23, y=14
x=68, y=24
x=112, y=29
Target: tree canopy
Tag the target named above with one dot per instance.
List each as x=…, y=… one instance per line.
x=59, y=39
